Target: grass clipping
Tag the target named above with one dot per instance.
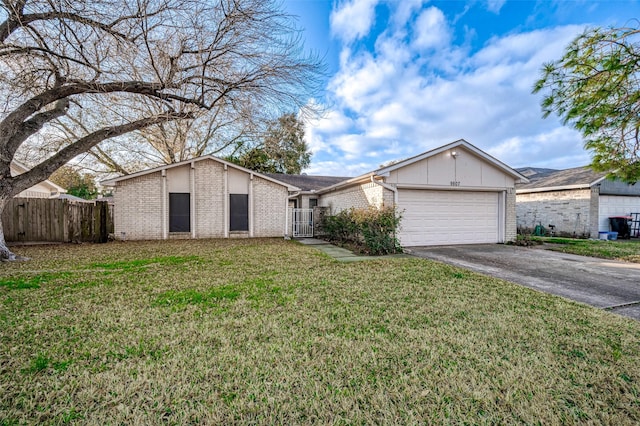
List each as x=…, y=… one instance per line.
x=268, y=331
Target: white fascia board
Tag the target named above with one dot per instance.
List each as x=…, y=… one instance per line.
x=553, y=188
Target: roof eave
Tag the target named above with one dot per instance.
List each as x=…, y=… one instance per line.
x=349, y=182
x=25, y=169
x=553, y=188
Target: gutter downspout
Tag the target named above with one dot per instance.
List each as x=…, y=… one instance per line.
x=389, y=187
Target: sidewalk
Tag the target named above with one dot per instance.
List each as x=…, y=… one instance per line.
x=339, y=253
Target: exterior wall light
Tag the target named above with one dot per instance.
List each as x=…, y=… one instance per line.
x=454, y=154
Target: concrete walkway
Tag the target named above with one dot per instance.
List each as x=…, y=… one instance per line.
x=339, y=253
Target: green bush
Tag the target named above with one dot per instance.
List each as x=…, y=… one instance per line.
x=371, y=231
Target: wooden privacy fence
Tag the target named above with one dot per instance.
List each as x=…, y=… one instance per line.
x=56, y=220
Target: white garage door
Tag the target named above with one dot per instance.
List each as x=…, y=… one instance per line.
x=616, y=205
x=448, y=217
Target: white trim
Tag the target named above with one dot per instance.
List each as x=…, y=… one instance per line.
x=192, y=199
x=251, y=205
x=502, y=216
x=163, y=206
x=286, y=219
x=453, y=188
x=553, y=188
x=225, y=202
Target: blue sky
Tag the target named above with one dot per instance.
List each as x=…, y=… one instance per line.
x=406, y=76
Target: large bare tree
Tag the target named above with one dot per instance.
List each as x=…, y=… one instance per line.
x=62, y=61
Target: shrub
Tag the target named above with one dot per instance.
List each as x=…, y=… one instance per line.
x=371, y=231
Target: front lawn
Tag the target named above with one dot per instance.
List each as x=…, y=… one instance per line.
x=272, y=332
x=625, y=250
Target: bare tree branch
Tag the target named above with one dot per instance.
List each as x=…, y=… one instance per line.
x=123, y=74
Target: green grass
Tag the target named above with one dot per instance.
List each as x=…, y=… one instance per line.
x=628, y=251
x=272, y=332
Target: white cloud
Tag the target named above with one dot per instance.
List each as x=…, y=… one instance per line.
x=337, y=168
x=416, y=90
x=495, y=5
x=557, y=148
x=353, y=19
x=431, y=29
x=405, y=9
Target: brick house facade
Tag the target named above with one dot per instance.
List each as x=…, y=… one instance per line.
x=200, y=198
x=577, y=202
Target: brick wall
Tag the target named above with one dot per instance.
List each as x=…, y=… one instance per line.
x=209, y=199
x=138, y=205
x=357, y=196
x=137, y=208
x=269, y=208
x=570, y=211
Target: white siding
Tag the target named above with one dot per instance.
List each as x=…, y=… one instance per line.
x=616, y=205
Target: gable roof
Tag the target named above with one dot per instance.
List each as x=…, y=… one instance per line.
x=19, y=168
x=459, y=143
x=384, y=171
x=308, y=183
x=113, y=181
x=575, y=178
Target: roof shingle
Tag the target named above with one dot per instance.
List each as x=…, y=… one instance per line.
x=558, y=178
x=307, y=182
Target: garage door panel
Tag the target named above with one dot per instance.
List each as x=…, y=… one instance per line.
x=448, y=217
x=616, y=205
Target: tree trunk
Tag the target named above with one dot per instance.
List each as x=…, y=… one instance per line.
x=6, y=255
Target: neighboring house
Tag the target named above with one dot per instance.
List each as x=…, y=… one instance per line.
x=73, y=198
x=45, y=189
x=201, y=198
x=575, y=201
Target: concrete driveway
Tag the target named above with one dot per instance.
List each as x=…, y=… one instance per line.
x=605, y=284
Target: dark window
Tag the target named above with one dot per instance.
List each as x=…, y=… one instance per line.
x=179, y=212
x=238, y=212
x=313, y=202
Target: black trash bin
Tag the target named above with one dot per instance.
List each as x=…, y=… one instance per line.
x=620, y=224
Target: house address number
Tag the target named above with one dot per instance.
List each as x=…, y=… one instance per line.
x=455, y=183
